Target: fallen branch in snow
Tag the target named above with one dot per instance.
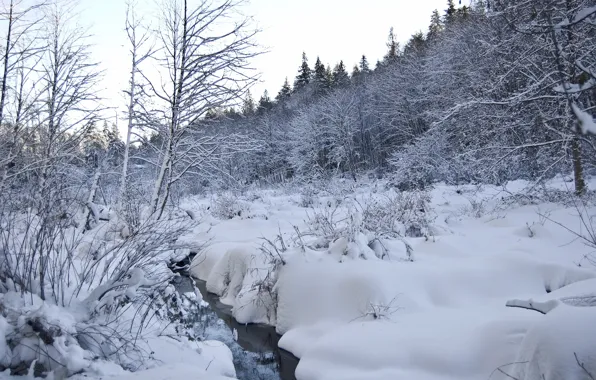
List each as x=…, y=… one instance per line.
x=583, y=367
x=541, y=307
x=500, y=369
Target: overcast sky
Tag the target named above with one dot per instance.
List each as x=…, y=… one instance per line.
x=332, y=29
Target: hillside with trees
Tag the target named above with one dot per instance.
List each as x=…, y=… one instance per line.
x=372, y=220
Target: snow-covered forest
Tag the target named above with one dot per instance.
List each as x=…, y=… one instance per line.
x=425, y=216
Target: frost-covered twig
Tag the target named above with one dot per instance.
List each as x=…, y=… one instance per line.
x=583, y=367
x=541, y=307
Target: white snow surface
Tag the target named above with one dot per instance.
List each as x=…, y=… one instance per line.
x=586, y=121
x=442, y=316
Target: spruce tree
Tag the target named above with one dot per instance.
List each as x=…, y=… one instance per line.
x=304, y=74
x=416, y=44
x=329, y=75
x=285, y=92
x=450, y=12
x=435, y=27
x=363, y=65
x=340, y=75
x=265, y=103
x=320, y=79
x=392, y=46
x=355, y=73
x=462, y=12
x=248, y=107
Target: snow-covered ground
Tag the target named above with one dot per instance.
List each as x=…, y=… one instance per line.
x=436, y=310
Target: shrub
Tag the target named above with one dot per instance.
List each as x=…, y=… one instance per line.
x=228, y=206
x=360, y=228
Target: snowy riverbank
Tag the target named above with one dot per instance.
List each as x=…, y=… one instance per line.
x=435, y=312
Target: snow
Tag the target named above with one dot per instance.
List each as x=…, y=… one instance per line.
x=586, y=121
x=210, y=356
x=350, y=301
x=348, y=314
x=555, y=345
x=458, y=345
x=581, y=15
x=170, y=372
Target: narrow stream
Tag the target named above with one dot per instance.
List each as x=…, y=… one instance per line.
x=255, y=338
x=254, y=346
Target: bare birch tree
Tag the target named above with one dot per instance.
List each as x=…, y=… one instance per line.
x=19, y=59
x=69, y=78
x=140, y=50
x=205, y=63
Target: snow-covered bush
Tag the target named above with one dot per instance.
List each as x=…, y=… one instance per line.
x=420, y=164
x=132, y=205
x=403, y=213
x=228, y=206
x=361, y=228
x=308, y=197
x=116, y=282
x=477, y=208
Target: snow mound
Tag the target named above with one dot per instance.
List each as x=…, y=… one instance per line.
x=241, y=276
x=170, y=372
x=561, y=345
x=458, y=344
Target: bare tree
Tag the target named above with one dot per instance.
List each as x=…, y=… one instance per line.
x=205, y=63
x=562, y=75
x=140, y=51
x=21, y=54
x=69, y=104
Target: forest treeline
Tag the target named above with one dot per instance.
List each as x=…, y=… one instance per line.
x=491, y=92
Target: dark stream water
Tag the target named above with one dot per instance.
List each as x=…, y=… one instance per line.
x=254, y=346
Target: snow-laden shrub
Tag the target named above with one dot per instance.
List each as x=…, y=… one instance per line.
x=361, y=229
x=117, y=284
x=228, y=206
x=132, y=205
x=420, y=164
x=308, y=197
x=540, y=193
x=401, y=214
x=477, y=208
x=253, y=196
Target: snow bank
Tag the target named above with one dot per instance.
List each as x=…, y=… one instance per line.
x=561, y=345
x=203, y=263
x=212, y=357
x=360, y=289
x=442, y=316
x=170, y=372
x=455, y=345
x=242, y=277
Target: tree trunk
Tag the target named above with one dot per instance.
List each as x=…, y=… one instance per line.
x=128, y=132
x=578, y=175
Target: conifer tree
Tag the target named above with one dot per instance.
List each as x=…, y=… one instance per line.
x=355, y=73
x=435, y=27
x=285, y=92
x=329, y=75
x=392, y=46
x=415, y=44
x=265, y=103
x=363, y=65
x=321, y=81
x=450, y=12
x=248, y=107
x=340, y=75
x=304, y=74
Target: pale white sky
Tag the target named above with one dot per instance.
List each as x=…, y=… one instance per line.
x=331, y=29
